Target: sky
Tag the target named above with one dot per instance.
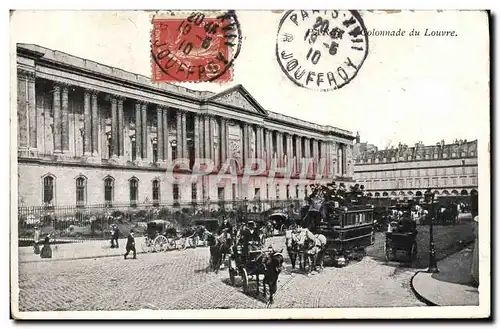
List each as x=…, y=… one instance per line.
x=409, y=89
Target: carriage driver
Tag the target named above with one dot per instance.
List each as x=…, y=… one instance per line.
x=251, y=239
x=226, y=226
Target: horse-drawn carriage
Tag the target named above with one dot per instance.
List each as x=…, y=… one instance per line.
x=280, y=220
x=156, y=239
x=255, y=262
x=400, y=241
x=348, y=232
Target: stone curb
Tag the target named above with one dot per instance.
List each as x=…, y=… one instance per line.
x=417, y=294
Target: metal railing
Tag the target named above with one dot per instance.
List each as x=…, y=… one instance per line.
x=93, y=221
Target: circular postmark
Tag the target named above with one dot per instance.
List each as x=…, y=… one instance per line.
x=321, y=49
x=199, y=47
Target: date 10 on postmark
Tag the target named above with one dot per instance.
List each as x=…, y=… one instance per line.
x=195, y=47
x=321, y=49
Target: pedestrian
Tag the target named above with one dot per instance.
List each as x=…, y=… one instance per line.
x=130, y=245
x=115, y=233
x=36, y=239
x=46, y=250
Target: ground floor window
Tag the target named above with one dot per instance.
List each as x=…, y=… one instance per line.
x=108, y=190
x=134, y=184
x=81, y=187
x=175, y=192
x=156, y=192
x=48, y=190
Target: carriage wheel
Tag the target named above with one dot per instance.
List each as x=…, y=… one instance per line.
x=244, y=278
x=231, y=276
x=160, y=243
x=146, y=245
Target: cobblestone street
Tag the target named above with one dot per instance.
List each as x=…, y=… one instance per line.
x=178, y=280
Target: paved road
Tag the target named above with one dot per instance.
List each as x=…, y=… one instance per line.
x=178, y=280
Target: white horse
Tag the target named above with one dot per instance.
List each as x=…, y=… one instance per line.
x=314, y=246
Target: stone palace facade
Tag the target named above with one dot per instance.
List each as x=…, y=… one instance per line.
x=94, y=134
x=406, y=172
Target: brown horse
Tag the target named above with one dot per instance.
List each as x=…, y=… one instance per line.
x=270, y=264
x=293, y=250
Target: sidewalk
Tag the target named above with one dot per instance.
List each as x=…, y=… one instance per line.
x=452, y=285
x=81, y=250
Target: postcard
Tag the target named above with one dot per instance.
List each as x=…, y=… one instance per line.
x=238, y=164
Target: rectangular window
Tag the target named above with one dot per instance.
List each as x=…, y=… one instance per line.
x=175, y=191
x=234, y=191
x=220, y=193
x=474, y=181
x=133, y=191
x=48, y=190
x=296, y=191
x=108, y=190
x=277, y=191
x=156, y=192
x=155, y=153
x=464, y=181
x=288, y=192
x=194, y=192
x=257, y=193
x=454, y=181
x=80, y=191
x=134, y=149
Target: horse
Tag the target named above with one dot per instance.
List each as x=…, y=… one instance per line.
x=313, y=247
x=292, y=247
x=219, y=248
x=194, y=233
x=271, y=265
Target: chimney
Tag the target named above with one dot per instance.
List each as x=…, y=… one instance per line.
x=358, y=138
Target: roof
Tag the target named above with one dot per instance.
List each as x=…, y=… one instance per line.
x=236, y=96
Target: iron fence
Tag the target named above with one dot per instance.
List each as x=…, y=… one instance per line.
x=93, y=221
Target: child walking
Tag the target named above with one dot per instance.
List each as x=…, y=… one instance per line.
x=130, y=245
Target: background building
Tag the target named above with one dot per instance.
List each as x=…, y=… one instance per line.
x=94, y=134
x=405, y=172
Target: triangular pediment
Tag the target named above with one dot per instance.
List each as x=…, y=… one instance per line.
x=240, y=98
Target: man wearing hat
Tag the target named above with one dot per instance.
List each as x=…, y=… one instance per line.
x=251, y=238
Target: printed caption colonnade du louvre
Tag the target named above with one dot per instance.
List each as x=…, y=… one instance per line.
x=196, y=165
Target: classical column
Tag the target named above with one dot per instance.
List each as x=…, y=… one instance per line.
x=22, y=115
x=114, y=128
x=64, y=118
x=269, y=146
x=279, y=145
x=56, y=107
x=211, y=125
x=87, y=122
x=178, y=134
x=206, y=133
x=196, y=141
x=144, y=130
x=201, y=133
x=32, y=113
x=121, y=131
x=307, y=148
x=185, y=150
x=95, y=124
x=159, y=133
x=289, y=146
x=344, y=159
x=165, y=132
x=258, y=142
x=246, y=144
x=138, y=131
x=223, y=140
x=298, y=153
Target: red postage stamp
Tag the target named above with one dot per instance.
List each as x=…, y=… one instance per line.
x=195, y=48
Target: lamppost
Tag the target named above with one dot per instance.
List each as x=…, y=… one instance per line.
x=429, y=199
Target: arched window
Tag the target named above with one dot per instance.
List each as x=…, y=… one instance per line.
x=109, y=184
x=48, y=190
x=81, y=191
x=134, y=186
x=156, y=192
